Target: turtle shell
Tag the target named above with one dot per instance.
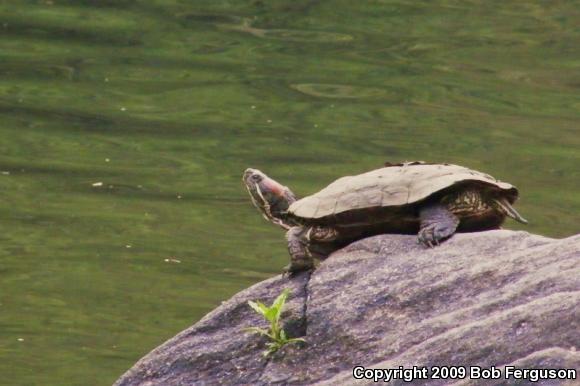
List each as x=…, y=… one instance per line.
x=392, y=186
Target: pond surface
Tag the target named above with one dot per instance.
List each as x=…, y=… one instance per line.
x=126, y=126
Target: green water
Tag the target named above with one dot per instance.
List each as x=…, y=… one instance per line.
x=126, y=125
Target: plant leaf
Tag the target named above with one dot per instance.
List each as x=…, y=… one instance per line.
x=278, y=304
x=259, y=307
x=271, y=315
x=255, y=306
x=263, y=307
x=272, y=348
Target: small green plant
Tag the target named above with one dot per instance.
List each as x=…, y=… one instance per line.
x=275, y=333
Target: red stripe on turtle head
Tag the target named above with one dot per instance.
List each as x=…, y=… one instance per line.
x=272, y=186
x=254, y=177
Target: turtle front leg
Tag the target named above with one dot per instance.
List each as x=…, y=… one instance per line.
x=300, y=241
x=300, y=258
x=437, y=224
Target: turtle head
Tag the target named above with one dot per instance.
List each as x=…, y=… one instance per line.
x=270, y=197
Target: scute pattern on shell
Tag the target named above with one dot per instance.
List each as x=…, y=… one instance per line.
x=388, y=186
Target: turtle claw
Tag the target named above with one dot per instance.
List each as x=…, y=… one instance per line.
x=433, y=234
x=286, y=272
x=295, y=267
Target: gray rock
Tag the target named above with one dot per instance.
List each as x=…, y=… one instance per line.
x=498, y=298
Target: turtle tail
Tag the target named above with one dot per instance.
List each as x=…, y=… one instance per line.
x=506, y=208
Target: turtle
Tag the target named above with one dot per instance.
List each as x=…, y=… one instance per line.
x=428, y=199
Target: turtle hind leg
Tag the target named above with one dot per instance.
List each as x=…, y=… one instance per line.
x=437, y=224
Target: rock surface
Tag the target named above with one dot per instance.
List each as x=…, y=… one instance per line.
x=497, y=298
